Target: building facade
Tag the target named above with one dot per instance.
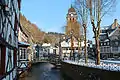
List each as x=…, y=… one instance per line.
x=67, y=49
x=23, y=53
x=110, y=41
x=9, y=25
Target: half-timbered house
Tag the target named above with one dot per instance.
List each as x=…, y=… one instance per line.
x=23, y=52
x=110, y=41
x=9, y=24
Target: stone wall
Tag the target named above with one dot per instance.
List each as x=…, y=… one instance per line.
x=77, y=72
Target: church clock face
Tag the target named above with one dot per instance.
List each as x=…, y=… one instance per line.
x=71, y=14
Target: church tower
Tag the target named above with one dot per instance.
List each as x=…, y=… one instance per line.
x=72, y=24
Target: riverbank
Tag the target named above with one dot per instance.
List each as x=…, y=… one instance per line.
x=81, y=72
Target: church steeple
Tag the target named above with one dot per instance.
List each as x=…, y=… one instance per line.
x=72, y=15
x=72, y=24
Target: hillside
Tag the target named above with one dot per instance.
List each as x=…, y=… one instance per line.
x=36, y=35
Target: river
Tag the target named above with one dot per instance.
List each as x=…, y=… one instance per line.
x=44, y=71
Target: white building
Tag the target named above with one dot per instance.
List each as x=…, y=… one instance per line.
x=50, y=49
x=66, y=47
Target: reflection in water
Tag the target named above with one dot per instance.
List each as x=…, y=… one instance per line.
x=44, y=71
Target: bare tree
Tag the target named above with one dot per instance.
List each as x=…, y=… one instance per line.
x=80, y=6
x=97, y=10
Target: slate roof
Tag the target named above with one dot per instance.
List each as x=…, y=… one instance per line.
x=108, y=31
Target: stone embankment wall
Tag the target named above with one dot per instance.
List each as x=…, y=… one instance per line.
x=77, y=72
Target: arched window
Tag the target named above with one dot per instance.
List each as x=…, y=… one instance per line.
x=73, y=19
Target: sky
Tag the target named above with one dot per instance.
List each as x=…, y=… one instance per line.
x=50, y=15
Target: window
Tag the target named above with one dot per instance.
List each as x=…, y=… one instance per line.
x=108, y=49
x=105, y=49
x=23, y=53
x=114, y=48
x=63, y=48
x=73, y=19
x=107, y=43
x=10, y=64
x=20, y=51
x=66, y=48
x=76, y=48
x=116, y=43
x=101, y=49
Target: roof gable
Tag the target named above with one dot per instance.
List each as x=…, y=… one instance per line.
x=116, y=32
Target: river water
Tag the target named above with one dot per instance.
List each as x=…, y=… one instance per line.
x=44, y=71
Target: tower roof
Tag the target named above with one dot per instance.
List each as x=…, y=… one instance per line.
x=71, y=9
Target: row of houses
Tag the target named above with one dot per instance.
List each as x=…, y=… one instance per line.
x=15, y=49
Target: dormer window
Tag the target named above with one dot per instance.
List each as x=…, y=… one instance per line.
x=105, y=43
x=108, y=43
